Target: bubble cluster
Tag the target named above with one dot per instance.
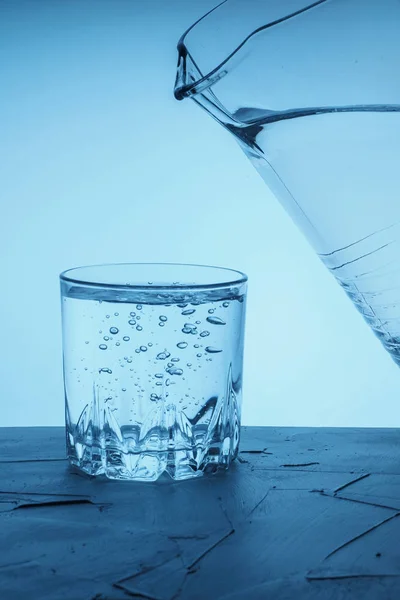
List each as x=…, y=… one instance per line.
x=175, y=371
x=189, y=328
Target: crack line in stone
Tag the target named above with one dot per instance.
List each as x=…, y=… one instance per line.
x=312, y=577
x=208, y=550
x=258, y=503
x=360, y=535
x=357, y=500
x=342, y=487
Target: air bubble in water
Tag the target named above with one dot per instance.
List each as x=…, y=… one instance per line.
x=126, y=338
x=175, y=359
x=150, y=344
x=225, y=304
x=123, y=389
x=143, y=348
x=87, y=342
x=189, y=311
x=106, y=338
x=107, y=316
x=198, y=322
x=163, y=355
x=212, y=350
x=188, y=364
x=204, y=333
x=154, y=397
x=103, y=346
x=132, y=322
x=105, y=370
x=116, y=314
x=174, y=371
x=161, y=324
x=163, y=318
x=211, y=310
x=138, y=307
x=182, y=345
x=216, y=321
x=129, y=360
x=139, y=327
x=132, y=314
x=199, y=355
x=117, y=343
x=158, y=382
x=196, y=346
x=189, y=328
x=182, y=305
x=137, y=350
x=114, y=330
x=159, y=375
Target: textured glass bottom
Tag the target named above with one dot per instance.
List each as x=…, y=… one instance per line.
x=98, y=446
x=149, y=466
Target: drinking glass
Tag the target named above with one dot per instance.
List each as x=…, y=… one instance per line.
x=153, y=358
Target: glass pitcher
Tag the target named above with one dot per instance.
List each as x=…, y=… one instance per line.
x=311, y=92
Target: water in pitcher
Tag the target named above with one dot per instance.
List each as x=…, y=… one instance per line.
x=345, y=200
x=310, y=90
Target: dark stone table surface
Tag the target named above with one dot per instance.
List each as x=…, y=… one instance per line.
x=303, y=514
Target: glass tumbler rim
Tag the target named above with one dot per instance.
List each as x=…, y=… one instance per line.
x=71, y=276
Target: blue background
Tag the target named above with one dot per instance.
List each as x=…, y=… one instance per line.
x=99, y=163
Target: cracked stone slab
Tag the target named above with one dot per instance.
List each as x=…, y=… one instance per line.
x=289, y=532
x=306, y=513
x=299, y=588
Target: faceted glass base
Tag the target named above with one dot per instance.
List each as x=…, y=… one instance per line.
x=150, y=465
